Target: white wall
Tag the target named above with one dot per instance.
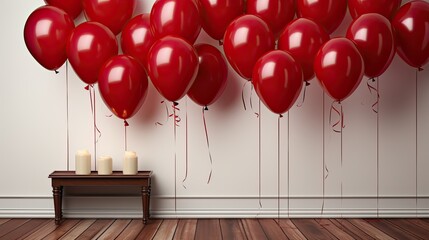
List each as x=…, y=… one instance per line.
x=33, y=143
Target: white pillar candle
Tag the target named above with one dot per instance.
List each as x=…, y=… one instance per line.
x=83, y=162
x=104, y=164
x=130, y=163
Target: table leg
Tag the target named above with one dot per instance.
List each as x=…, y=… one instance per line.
x=145, y=203
x=58, y=195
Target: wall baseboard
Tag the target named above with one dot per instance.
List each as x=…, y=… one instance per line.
x=215, y=207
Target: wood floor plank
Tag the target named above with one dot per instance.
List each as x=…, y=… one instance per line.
x=166, y=230
x=25, y=229
x=150, y=229
x=3, y=220
x=369, y=229
x=132, y=230
x=78, y=229
x=253, y=229
x=272, y=229
x=60, y=230
x=391, y=229
x=336, y=231
x=115, y=229
x=12, y=225
x=232, y=229
x=186, y=229
x=291, y=231
x=311, y=229
x=408, y=226
x=208, y=229
x=420, y=223
x=95, y=228
x=351, y=229
x=41, y=232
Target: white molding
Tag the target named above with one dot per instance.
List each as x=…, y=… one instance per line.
x=98, y=207
x=234, y=196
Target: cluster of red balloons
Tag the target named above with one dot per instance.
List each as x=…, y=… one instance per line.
x=306, y=50
x=161, y=45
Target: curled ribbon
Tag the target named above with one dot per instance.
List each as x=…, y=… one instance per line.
x=251, y=104
x=242, y=95
x=303, y=96
x=176, y=117
x=373, y=89
x=208, y=145
x=340, y=114
x=168, y=114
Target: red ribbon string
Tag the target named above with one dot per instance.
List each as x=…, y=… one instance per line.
x=125, y=134
x=324, y=179
x=278, y=166
x=91, y=90
x=175, y=154
x=259, y=156
x=186, y=151
x=176, y=117
x=168, y=114
x=208, y=146
x=303, y=96
x=242, y=95
x=373, y=89
x=67, y=115
x=340, y=113
x=251, y=104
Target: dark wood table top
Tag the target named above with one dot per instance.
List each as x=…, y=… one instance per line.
x=95, y=175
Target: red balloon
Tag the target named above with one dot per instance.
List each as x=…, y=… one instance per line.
x=217, y=15
x=46, y=33
x=328, y=13
x=276, y=13
x=137, y=38
x=180, y=18
x=212, y=75
x=277, y=78
x=247, y=38
x=373, y=35
x=302, y=38
x=91, y=44
x=339, y=67
x=123, y=85
x=387, y=8
x=72, y=7
x=114, y=14
x=172, y=67
x=411, y=25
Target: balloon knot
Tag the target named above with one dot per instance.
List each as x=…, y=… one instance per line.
x=87, y=87
x=420, y=69
x=373, y=79
x=206, y=108
x=126, y=123
x=56, y=71
x=307, y=83
x=220, y=43
x=280, y=115
x=175, y=103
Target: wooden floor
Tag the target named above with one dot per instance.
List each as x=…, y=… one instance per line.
x=215, y=229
